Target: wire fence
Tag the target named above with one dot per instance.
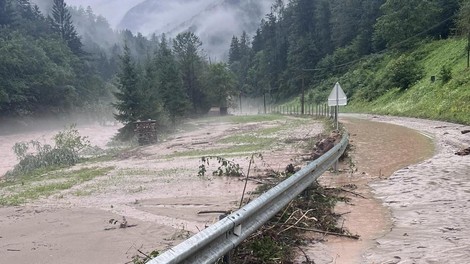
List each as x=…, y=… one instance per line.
x=320, y=110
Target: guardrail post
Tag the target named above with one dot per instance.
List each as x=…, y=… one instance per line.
x=226, y=257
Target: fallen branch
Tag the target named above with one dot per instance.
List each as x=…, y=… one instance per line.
x=214, y=212
x=355, y=193
x=113, y=228
x=200, y=143
x=327, y=232
x=465, y=131
x=255, y=180
x=147, y=256
x=307, y=259
x=298, y=220
x=174, y=145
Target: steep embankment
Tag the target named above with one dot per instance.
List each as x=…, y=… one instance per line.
x=440, y=99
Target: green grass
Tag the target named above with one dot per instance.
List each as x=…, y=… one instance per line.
x=226, y=152
x=130, y=180
x=425, y=99
x=248, y=142
x=255, y=118
x=241, y=119
x=31, y=187
x=434, y=100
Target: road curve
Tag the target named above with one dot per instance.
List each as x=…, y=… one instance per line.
x=429, y=201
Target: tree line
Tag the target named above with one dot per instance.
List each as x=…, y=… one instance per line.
x=71, y=59
x=176, y=81
x=310, y=40
x=59, y=63
x=43, y=68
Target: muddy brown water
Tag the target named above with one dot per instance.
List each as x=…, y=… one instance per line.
x=378, y=150
x=429, y=201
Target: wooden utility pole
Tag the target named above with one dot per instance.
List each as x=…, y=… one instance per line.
x=468, y=50
x=302, y=100
x=264, y=101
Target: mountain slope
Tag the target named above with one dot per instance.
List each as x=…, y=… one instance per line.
x=368, y=87
x=214, y=21
x=437, y=99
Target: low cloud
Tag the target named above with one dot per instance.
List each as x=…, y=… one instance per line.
x=214, y=21
x=113, y=10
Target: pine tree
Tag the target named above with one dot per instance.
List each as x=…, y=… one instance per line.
x=6, y=12
x=175, y=99
x=234, y=52
x=61, y=22
x=128, y=95
x=187, y=48
x=221, y=82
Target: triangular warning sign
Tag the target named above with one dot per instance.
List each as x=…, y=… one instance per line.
x=337, y=96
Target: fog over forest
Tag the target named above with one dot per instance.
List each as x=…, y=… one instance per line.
x=214, y=21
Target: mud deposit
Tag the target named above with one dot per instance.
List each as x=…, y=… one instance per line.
x=156, y=188
x=429, y=201
x=419, y=214
x=378, y=149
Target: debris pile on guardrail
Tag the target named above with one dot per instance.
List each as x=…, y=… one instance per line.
x=322, y=146
x=280, y=239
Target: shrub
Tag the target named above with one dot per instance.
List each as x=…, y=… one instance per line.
x=404, y=72
x=34, y=155
x=445, y=74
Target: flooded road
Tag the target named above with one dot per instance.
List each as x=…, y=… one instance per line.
x=378, y=149
x=429, y=201
x=417, y=193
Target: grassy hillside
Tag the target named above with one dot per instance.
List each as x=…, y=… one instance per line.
x=372, y=87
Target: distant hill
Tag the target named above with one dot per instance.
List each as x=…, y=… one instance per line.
x=214, y=21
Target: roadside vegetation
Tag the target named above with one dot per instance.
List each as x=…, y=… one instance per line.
x=430, y=81
x=391, y=57
x=43, y=183
x=281, y=239
x=43, y=169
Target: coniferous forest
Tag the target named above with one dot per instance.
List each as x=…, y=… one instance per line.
x=71, y=61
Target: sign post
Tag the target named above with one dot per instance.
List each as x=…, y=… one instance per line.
x=336, y=98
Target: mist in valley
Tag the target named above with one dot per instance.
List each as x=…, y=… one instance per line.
x=214, y=21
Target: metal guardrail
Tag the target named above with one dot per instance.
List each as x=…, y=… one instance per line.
x=215, y=241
